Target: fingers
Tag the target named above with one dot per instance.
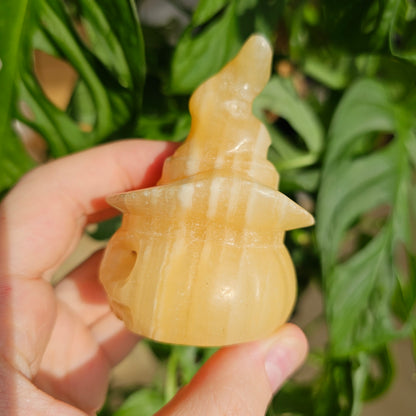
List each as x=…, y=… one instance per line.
x=114, y=339
x=86, y=341
x=240, y=380
x=20, y=397
x=82, y=291
x=42, y=218
x=76, y=363
x=84, y=295
x=73, y=369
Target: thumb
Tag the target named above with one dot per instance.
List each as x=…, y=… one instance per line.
x=241, y=379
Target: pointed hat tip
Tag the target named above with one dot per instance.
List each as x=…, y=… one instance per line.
x=254, y=61
x=260, y=42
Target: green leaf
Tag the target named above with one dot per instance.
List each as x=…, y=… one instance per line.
x=333, y=390
x=403, y=31
x=340, y=34
x=14, y=161
x=358, y=296
x=16, y=17
x=171, y=127
x=280, y=98
x=352, y=189
x=182, y=365
x=105, y=229
x=300, y=179
x=404, y=300
x=256, y=16
x=197, y=56
x=206, y=10
x=380, y=374
x=365, y=108
x=331, y=68
x=112, y=75
x=119, y=46
x=81, y=106
x=287, y=400
x=358, y=176
x=160, y=350
x=111, y=69
x=366, y=23
x=215, y=36
x=144, y=402
x=12, y=26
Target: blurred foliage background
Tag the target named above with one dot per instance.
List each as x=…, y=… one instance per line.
x=340, y=109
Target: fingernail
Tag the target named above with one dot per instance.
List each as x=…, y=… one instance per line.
x=283, y=358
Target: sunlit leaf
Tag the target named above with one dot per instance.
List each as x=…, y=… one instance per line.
x=198, y=55
x=280, y=98
x=207, y=45
x=112, y=75
x=359, y=290
x=144, y=402
x=207, y=9
x=16, y=18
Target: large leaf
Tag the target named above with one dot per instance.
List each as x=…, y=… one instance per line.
x=197, y=55
x=330, y=45
x=12, y=23
x=332, y=68
x=15, y=19
x=280, y=98
x=111, y=76
x=206, y=10
x=110, y=65
x=359, y=177
x=214, y=36
x=119, y=46
x=366, y=22
x=403, y=30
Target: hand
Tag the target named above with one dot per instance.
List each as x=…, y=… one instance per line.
x=57, y=345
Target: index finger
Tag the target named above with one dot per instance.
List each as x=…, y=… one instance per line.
x=43, y=217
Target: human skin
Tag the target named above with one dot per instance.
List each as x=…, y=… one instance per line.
x=58, y=344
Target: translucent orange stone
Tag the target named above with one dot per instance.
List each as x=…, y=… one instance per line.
x=200, y=259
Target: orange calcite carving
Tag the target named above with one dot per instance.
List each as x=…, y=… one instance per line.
x=200, y=259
